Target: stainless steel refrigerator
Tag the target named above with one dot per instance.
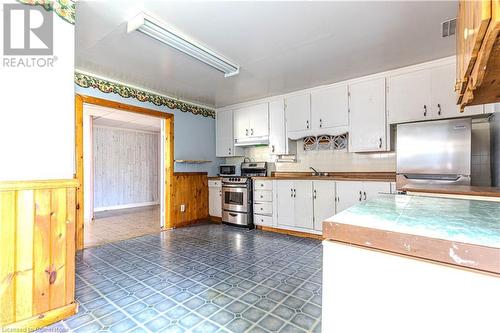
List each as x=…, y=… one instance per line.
x=434, y=152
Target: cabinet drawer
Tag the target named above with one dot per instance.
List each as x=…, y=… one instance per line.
x=214, y=183
x=262, y=220
x=263, y=185
x=263, y=208
x=266, y=196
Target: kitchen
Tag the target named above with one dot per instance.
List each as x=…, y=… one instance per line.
x=334, y=169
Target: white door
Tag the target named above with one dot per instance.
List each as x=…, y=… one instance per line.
x=277, y=129
x=298, y=113
x=224, y=133
x=348, y=194
x=241, y=123
x=324, y=201
x=329, y=107
x=372, y=189
x=215, y=201
x=409, y=97
x=258, y=116
x=303, y=204
x=367, y=123
x=285, y=202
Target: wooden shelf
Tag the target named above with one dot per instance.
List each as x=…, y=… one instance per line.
x=192, y=161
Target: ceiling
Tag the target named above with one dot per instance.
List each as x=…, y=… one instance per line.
x=114, y=118
x=280, y=46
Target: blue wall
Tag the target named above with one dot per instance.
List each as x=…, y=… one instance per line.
x=194, y=136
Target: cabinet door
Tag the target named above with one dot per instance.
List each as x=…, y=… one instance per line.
x=443, y=96
x=348, y=194
x=298, y=113
x=372, y=189
x=285, y=202
x=215, y=201
x=277, y=129
x=367, y=126
x=303, y=204
x=258, y=120
x=408, y=97
x=324, y=201
x=329, y=107
x=224, y=133
x=241, y=123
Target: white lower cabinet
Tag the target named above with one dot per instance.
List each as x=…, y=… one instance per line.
x=263, y=203
x=350, y=193
x=303, y=204
x=215, y=198
x=324, y=202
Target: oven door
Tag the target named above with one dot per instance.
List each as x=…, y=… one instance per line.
x=235, y=199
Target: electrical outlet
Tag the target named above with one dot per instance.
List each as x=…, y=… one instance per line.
x=183, y=208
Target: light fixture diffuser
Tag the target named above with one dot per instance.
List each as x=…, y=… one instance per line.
x=159, y=31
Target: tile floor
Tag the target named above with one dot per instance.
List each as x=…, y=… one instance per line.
x=205, y=278
x=120, y=224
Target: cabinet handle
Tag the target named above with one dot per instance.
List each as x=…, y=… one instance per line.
x=246, y=132
x=251, y=130
x=294, y=193
x=307, y=123
x=364, y=195
x=439, y=109
x=320, y=123
x=314, y=194
x=360, y=195
x=272, y=148
x=291, y=194
x=380, y=142
x=425, y=110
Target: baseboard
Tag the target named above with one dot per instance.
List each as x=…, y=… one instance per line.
x=215, y=219
x=290, y=232
x=188, y=223
x=133, y=205
x=41, y=320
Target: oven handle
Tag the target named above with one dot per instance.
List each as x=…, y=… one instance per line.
x=234, y=186
x=233, y=214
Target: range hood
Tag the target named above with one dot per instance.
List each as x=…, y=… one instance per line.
x=253, y=141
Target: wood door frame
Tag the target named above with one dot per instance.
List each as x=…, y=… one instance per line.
x=168, y=119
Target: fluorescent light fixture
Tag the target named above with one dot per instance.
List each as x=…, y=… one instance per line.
x=159, y=31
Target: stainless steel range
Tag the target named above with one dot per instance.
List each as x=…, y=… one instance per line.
x=237, y=201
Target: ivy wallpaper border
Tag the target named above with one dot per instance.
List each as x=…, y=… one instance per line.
x=87, y=81
x=65, y=9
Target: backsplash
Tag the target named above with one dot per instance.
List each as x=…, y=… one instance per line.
x=325, y=160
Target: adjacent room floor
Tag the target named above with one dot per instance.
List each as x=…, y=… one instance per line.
x=114, y=225
x=205, y=278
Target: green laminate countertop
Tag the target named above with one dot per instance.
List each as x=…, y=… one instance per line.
x=457, y=220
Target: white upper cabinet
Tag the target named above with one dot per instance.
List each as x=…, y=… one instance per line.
x=251, y=122
x=329, y=107
x=409, y=97
x=368, y=127
x=224, y=135
x=425, y=94
x=298, y=113
x=279, y=144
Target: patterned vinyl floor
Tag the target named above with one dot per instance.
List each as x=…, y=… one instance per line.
x=206, y=278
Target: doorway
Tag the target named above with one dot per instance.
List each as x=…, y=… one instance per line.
x=115, y=199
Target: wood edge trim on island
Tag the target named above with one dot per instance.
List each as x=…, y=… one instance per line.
x=289, y=232
x=481, y=259
x=168, y=118
x=42, y=320
x=38, y=184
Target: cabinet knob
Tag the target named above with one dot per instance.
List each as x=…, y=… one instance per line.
x=425, y=110
x=291, y=194
x=251, y=130
x=246, y=132
x=272, y=148
x=439, y=109
x=360, y=195
x=307, y=124
x=320, y=122
x=364, y=195
x=314, y=194
x=380, y=142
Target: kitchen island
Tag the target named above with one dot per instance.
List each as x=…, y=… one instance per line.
x=400, y=263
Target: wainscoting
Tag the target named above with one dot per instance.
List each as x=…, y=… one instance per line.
x=190, y=189
x=37, y=247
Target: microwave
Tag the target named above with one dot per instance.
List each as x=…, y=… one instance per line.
x=229, y=170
